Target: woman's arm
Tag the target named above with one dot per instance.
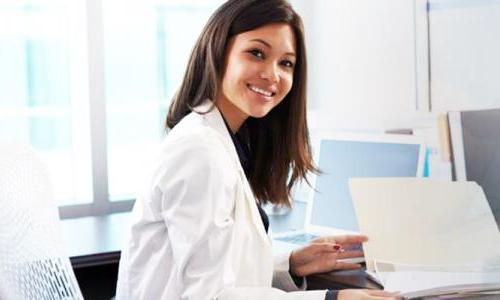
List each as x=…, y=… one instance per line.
x=197, y=199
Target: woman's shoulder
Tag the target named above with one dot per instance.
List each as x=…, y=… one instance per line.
x=193, y=137
x=193, y=149
x=192, y=131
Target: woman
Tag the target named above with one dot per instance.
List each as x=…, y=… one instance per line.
x=238, y=128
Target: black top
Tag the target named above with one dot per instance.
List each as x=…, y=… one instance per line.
x=240, y=140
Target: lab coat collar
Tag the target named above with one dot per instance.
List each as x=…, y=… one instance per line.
x=211, y=114
x=215, y=120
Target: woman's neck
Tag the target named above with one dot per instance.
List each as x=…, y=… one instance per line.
x=232, y=114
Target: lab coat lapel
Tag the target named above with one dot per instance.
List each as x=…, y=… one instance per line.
x=216, y=121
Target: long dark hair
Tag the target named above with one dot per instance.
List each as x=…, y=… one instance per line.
x=280, y=140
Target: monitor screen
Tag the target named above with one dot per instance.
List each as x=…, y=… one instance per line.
x=340, y=160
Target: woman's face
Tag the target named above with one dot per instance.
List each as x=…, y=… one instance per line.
x=258, y=72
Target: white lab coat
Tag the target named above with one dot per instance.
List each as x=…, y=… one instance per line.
x=196, y=231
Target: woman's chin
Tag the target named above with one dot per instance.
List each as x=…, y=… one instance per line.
x=259, y=113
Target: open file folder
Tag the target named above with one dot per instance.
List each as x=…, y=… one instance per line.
x=421, y=281
x=419, y=222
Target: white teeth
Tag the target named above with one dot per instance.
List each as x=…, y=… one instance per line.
x=260, y=91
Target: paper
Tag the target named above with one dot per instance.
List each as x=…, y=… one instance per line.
x=423, y=222
x=407, y=281
x=419, y=284
x=425, y=280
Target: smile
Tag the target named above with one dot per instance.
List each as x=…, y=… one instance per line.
x=261, y=91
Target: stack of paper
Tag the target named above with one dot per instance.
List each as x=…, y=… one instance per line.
x=443, y=232
x=420, y=281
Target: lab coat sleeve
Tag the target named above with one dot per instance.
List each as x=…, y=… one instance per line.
x=197, y=200
x=281, y=277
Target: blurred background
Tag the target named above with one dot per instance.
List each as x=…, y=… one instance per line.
x=88, y=82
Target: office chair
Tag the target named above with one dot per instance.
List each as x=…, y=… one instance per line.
x=33, y=264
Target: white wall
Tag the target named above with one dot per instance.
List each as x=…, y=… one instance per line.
x=465, y=61
x=368, y=68
x=365, y=62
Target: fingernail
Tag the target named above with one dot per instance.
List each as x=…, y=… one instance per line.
x=336, y=247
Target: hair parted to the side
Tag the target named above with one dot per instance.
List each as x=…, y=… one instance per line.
x=281, y=153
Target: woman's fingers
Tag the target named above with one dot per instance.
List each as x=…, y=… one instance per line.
x=325, y=247
x=322, y=257
x=386, y=297
x=350, y=254
x=334, y=262
x=382, y=293
x=342, y=239
x=378, y=294
x=351, y=239
x=332, y=249
x=340, y=265
x=367, y=294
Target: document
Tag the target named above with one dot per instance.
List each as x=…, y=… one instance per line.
x=420, y=281
x=443, y=232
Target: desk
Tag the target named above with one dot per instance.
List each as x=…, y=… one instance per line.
x=94, y=244
x=95, y=241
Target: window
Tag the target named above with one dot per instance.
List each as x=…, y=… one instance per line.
x=146, y=50
x=88, y=84
x=36, y=103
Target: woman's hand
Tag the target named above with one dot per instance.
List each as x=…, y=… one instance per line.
x=322, y=255
x=367, y=295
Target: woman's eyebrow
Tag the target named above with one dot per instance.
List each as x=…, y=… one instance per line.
x=269, y=45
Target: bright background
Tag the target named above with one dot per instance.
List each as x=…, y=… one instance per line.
x=88, y=82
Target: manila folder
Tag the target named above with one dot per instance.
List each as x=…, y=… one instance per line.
x=424, y=222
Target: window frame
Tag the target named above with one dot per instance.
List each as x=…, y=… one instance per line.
x=90, y=15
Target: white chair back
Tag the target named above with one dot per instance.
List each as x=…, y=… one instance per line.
x=33, y=263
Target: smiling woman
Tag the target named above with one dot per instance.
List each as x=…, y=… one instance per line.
x=238, y=139
x=258, y=73
x=263, y=50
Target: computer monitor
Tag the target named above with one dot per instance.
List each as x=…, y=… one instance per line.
x=342, y=157
x=475, y=140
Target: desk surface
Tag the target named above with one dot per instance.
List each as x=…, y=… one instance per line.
x=97, y=241
x=92, y=241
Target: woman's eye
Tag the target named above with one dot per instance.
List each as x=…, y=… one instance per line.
x=257, y=53
x=287, y=63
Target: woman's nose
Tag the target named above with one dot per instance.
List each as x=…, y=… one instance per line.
x=270, y=73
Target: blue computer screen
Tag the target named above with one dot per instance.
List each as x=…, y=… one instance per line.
x=340, y=160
